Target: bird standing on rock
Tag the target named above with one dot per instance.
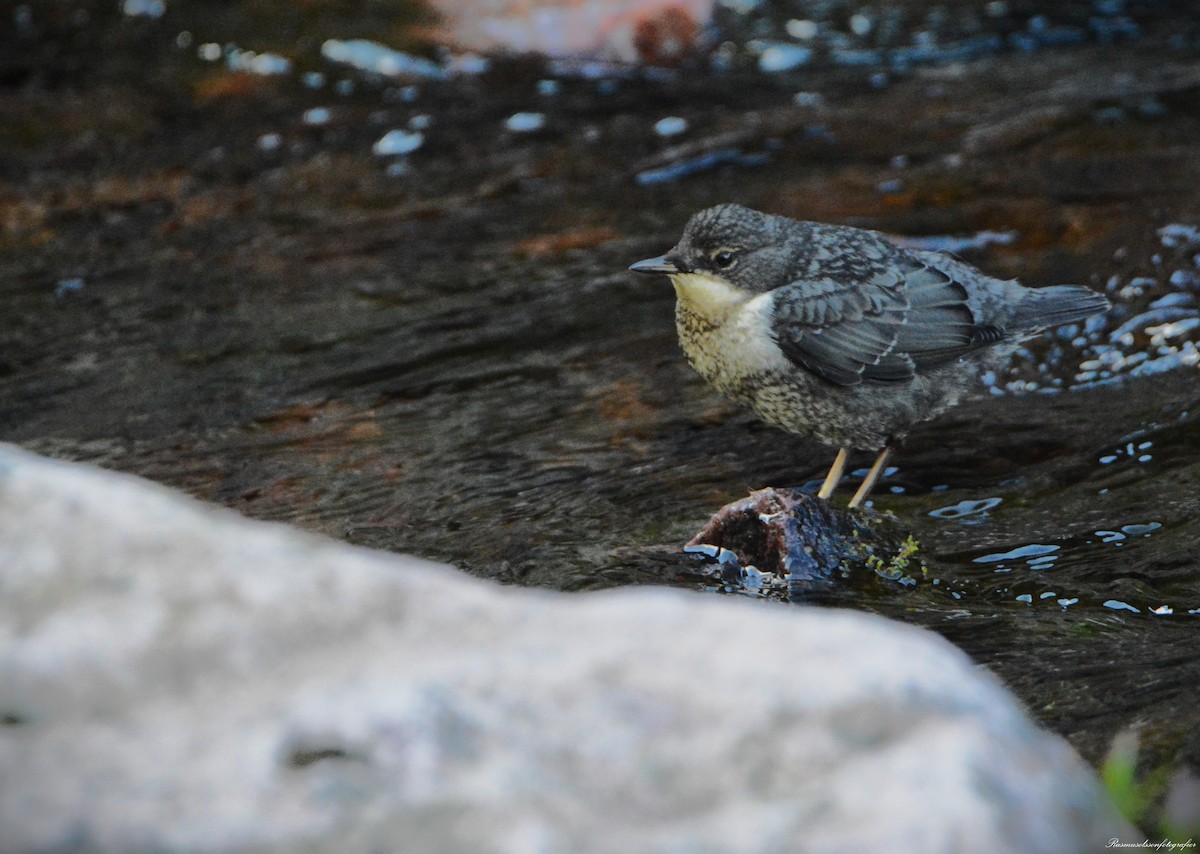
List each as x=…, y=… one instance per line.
x=839, y=334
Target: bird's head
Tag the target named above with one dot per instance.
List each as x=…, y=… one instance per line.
x=748, y=250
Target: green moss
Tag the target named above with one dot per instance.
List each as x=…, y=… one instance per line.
x=1119, y=774
x=1132, y=795
x=897, y=566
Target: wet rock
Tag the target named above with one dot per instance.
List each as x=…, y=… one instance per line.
x=1016, y=121
x=796, y=535
x=179, y=678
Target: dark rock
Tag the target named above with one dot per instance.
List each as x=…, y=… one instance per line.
x=797, y=535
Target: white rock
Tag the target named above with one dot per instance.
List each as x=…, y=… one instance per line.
x=175, y=677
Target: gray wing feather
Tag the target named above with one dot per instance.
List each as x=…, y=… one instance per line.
x=887, y=329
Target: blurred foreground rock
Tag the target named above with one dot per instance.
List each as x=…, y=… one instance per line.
x=174, y=677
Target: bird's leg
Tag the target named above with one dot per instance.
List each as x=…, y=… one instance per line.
x=835, y=475
x=872, y=477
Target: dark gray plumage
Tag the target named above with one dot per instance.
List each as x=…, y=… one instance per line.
x=836, y=332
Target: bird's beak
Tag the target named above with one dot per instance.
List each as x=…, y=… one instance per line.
x=661, y=264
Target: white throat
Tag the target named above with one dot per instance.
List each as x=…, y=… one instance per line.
x=708, y=296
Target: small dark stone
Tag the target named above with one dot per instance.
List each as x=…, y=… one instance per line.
x=797, y=535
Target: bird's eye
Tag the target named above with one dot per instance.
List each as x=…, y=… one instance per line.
x=723, y=258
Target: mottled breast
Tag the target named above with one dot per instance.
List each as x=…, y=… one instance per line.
x=725, y=332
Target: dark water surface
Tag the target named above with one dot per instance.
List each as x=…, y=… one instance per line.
x=442, y=353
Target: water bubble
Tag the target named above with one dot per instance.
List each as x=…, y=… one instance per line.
x=398, y=142
x=525, y=122
x=966, y=507
x=670, y=126
x=1067, y=602
x=1026, y=598
x=820, y=133
x=316, y=116
x=1146, y=319
x=312, y=79
x=1118, y=605
x=701, y=163
x=860, y=24
x=1169, y=362
x=803, y=30
x=1031, y=550
x=1162, y=609
x=1151, y=108
x=67, y=287
x=468, y=63
x=209, y=51
x=1175, y=328
x=265, y=64
x=1179, y=234
x=1141, y=530
x=371, y=56
x=979, y=240
x=781, y=56
x=23, y=18
x=548, y=87
x=1172, y=300
x=143, y=8
x=270, y=141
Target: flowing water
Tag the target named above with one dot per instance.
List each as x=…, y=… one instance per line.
x=434, y=346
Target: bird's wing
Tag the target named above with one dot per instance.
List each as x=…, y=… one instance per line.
x=887, y=329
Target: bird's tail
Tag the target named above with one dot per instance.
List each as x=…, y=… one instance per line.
x=1053, y=306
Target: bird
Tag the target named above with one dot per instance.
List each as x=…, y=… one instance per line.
x=839, y=334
